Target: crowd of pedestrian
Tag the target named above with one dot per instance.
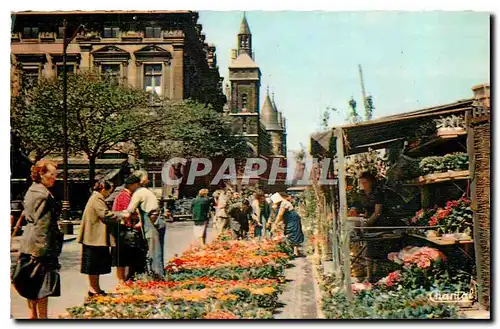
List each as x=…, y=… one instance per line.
x=130, y=235
x=264, y=214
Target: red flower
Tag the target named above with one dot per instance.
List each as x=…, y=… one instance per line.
x=443, y=213
x=433, y=221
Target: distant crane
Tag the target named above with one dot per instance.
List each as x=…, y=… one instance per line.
x=367, y=100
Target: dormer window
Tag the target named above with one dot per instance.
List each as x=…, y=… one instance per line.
x=30, y=33
x=60, y=32
x=111, y=32
x=152, y=32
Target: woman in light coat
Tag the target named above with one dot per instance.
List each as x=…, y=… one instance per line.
x=96, y=238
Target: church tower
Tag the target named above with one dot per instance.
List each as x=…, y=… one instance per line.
x=244, y=85
x=245, y=38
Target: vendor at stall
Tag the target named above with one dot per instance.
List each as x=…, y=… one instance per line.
x=372, y=200
x=371, y=209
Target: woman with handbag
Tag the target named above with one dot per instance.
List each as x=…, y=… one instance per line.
x=128, y=257
x=95, y=237
x=37, y=273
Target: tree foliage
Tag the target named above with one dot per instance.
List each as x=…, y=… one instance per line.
x=192, y=130
x=36, y=117
x=101, y=114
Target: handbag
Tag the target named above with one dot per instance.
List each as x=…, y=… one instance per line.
x=129, y=237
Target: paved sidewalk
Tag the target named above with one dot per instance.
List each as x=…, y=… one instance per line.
x=299, y=294
x=15, y=241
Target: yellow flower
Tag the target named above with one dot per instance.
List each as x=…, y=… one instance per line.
x=226, y=297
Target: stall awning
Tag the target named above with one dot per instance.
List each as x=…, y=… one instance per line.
x=379, y=133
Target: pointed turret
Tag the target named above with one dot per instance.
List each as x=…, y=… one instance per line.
x=269, y=115
x=244, y=28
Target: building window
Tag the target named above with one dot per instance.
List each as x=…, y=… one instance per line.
x=111, y=70
x=152, y=78
x=152, y=32
x=244, y=101
x=154, y=178
x=30, y=33
x=30, y=76
x=60, y=69
x=111, y=32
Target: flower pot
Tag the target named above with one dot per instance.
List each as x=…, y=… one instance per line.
x=431, y=234
x=449, y=236
x=462, y=236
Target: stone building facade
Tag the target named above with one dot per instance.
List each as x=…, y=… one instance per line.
x=160, y=51
x=264, y=127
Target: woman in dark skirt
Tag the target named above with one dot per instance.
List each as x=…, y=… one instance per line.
x=36, y=276
x=285, y=212
x=95, y=237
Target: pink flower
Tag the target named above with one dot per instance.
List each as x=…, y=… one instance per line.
x=433, y=221
x=357, y=287
x=394, y=257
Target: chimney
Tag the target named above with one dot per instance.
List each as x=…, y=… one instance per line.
x=482, y=95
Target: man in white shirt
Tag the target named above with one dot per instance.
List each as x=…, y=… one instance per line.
x=221, y=198
x=154, y=226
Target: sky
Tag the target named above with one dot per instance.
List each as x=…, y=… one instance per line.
x=410, y=60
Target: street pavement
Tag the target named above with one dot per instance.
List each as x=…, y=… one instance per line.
x=299, y=293
x=74, y=285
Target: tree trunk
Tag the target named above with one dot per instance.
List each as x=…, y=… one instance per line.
x=92, y=161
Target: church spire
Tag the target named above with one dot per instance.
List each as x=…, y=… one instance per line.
x=245, y=38
x=244, y=28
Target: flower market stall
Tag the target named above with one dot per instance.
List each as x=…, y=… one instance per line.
x=229, y=279
x=428, y=170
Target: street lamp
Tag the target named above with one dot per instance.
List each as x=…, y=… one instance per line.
x=66, y=42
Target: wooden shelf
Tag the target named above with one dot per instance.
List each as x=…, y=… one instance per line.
x=440, y=137
x=442, y=242
x=442, y=177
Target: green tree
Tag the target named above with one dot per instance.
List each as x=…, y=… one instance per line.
x=192, y=130
x=101, y=114
x=36, y=116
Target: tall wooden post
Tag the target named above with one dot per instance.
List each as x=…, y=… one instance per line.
x=345, y=242
x=335, y=246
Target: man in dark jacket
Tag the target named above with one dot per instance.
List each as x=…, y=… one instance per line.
x=240, y=214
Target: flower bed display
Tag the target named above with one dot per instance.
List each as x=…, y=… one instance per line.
x=402, y=294
x=226, y=280
x=456, y=217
